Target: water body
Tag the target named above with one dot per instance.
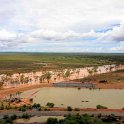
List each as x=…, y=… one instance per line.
x=63, y=97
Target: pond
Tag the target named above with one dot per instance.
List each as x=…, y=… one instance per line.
x=83, y=98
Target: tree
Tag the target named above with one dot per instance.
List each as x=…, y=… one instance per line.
x=69, y=108
x=110, y=68
x=47, y=76
x=67, y=74
x=36, y=106
x=4, y=79
x=26, y=80
x=49, y=104
x=78, y=71
x=42, y=77
x=22, y=79
x=59, y=74
x=14, y=81
x=94, y=69
x=90, y=71
x=52, y=121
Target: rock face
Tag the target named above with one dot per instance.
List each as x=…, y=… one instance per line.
x=32, y=78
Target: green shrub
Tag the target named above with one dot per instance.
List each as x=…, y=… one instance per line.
x=101, y=107
x=35, y=105
x=52, y=121
x=76, y=119
x=77, y=109
x=110, y=118
x=13, y=117
x=5, y=116
x=69, y=108
x=22, y=108
x=25, y=115
x=29, y=107
x=7, y=119
x=2, y=121
x=50, y=105
x=31, y=99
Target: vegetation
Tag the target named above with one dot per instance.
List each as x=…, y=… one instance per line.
x=86, y=119
x=25, y=116
x=50, y=105
x=47, y=76
x=101, y=107
x=31, y=99
x=10, y=119
x=26, y=62
x=71, y=119
x=4, y=105
x=52, y=121
x=69, y=108
x=22, y=108
x=35, y=106
x=111, y=77
x=76, y=109
x=8, y=104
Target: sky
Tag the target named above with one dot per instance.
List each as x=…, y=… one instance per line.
x=62, y=26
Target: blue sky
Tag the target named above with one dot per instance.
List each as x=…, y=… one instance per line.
x=62, y=25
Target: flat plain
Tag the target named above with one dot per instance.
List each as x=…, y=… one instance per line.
x=25, y=62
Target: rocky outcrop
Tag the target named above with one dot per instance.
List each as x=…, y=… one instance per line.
x=53, y=76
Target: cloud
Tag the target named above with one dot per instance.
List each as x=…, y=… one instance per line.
x=9, y=39
x=42, y=22
x=61, y=15
x=53, y=35
x=60, y=36
x=7, y=36
x=116, y=34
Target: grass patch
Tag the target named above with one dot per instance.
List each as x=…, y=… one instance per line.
x=25, y=62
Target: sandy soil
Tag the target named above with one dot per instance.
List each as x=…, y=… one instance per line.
x=110, y=86
x=5, y=92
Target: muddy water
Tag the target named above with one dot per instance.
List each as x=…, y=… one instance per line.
x=63, y=97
